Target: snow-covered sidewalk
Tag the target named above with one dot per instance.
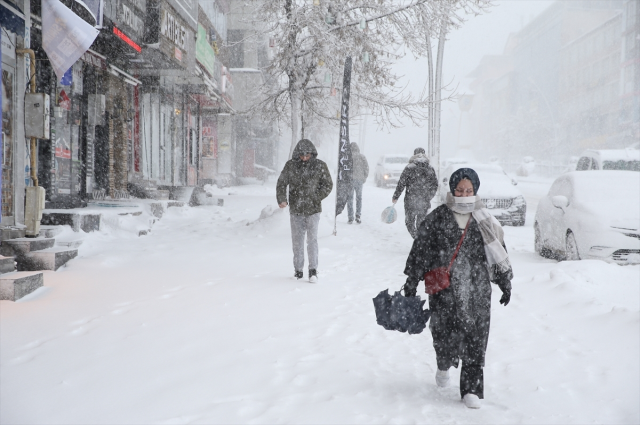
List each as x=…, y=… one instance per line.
x=202, y=322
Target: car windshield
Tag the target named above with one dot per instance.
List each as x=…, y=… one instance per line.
x=396, y=160
x=621, y=165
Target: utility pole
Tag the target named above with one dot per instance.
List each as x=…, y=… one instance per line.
x=435, y=98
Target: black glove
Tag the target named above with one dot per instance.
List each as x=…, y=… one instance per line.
x=505, y=287
x=506, y=297
x=408, y=291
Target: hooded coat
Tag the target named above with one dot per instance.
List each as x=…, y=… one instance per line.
x=460, y=314
x=309, y=181
x=419, y=178
x=360, y=165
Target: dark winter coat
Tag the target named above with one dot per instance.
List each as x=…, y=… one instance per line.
x=309, y=181
x=419, y=178
x=360, y=165
x=460, y=314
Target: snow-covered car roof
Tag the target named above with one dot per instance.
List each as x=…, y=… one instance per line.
x=396, y=155
x=611, y=194
x=614, y=154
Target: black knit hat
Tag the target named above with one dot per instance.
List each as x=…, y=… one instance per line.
x=464, y=173
x=418, y=150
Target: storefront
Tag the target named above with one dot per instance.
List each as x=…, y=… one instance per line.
x=169, y=136
x=13, y=148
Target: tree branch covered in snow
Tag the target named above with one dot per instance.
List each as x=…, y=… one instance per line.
x=312, y=42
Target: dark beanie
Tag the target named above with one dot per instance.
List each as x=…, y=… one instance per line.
x=464, y=173
x=418, y=150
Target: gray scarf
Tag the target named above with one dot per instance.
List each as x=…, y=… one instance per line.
x=490, y=229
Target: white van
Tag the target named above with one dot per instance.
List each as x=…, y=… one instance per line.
x=609, y=159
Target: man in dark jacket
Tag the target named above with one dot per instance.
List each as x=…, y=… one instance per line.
x=421, y=182
x=360, y=174
x=309, y=183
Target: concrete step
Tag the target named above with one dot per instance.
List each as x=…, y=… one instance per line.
x=75, y=243
x=47, y=259
x=7, y=264
x=50, y=231
x=11, y=233
x=86, y=222
x=16, y=285
x=22, y=246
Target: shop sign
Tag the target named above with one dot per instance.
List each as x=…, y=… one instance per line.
x=94, y=60
x=129, y=18
x=187, y=10
x=8, y=41
x=122, y=36
x=204, y=52
x=172, y=29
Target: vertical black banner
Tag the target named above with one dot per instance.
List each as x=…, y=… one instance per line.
x=345, y=160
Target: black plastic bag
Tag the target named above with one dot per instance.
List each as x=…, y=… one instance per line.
x=400, y=313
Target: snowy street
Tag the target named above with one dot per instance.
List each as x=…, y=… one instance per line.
x=201, y=321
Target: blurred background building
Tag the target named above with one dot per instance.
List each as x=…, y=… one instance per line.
x=566, y=82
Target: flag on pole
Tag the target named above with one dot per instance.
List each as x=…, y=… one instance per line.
x=345, y=160
x=65, y=36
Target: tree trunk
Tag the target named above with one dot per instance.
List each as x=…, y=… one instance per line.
x=295, y=120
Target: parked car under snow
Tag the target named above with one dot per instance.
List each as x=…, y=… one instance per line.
x=590, y=214
x=497, y=191
x=389, y=168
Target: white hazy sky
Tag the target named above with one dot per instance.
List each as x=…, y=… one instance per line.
x=482, y=35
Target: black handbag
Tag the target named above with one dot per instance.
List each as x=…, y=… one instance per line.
x=400, y=313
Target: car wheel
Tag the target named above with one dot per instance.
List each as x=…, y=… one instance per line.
x=518, y=223
x=571, y=248
x=538, y=246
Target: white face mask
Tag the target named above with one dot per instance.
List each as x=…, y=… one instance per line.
x=464, y=204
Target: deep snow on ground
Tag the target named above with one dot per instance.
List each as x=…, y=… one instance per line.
x=201, y=322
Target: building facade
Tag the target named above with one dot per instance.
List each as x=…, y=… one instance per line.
x=148, y=108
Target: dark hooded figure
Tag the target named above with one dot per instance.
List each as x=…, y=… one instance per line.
x=360, y=174
x=309, y=183
x=421, y=182
x=460, y=314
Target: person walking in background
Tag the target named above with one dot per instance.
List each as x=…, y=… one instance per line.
x=360, y=174
x=422, y=184
x=309, y=182
x=460, y=313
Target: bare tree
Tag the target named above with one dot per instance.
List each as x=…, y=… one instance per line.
x=312, y=38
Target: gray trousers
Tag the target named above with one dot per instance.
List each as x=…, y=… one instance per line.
x=302, y=225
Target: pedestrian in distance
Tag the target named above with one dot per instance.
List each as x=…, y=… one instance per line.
x=419, y=178
x=360, y=174
x=460, y=314
x=309, y=182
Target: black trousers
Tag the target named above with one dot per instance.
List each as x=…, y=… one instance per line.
x=471, y=380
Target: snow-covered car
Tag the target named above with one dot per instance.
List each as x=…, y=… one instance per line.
x=590, y=214
x=609, y=159
x=449, y=162
x=389, y=168
x=527, y=166
x=497, y=191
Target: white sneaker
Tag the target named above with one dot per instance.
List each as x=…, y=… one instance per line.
x=471, y=401
x=313, y=276
x=442, y=378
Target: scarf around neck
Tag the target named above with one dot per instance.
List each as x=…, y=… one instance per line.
x=490, y=229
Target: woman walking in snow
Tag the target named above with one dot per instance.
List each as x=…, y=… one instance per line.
x=460, y=314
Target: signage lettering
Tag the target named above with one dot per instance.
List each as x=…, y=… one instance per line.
x=173, y=30
x=130, y=19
